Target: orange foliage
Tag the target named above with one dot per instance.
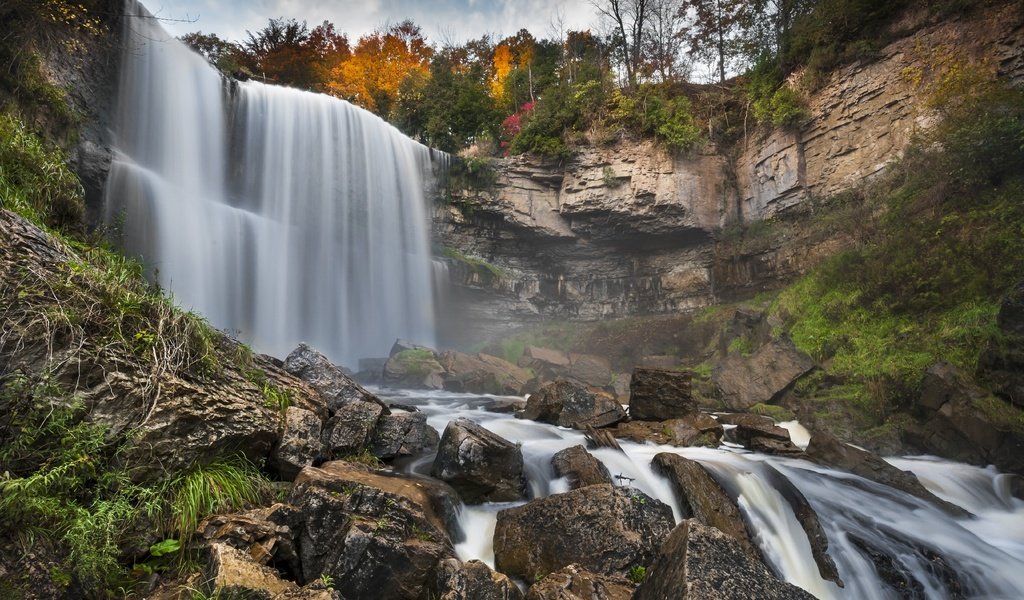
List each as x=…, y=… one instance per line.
x=372, y=75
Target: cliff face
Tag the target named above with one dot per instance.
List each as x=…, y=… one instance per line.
x=631, y=229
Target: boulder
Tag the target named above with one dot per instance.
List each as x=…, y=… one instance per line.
x=230, y=573
x=401, y=345
x=378, y=535
x=744, y=381
x=602, y=528
x=959, y=420
x=699, y=429
x=545, y=363
x=590, y=370
x=808, y=519
x=403, y=434
x=351, y=428
x=657, y=395
x=568, y=405
x=411, y=366
x=482, y=374
x=473, y=580
x=264, y=534
x=698, y=562
x=702, y=498
x=325, y=377
x=482, y=466
x=830, y=452
x=759, y=434
x=299, y=445
x=580, y=467
x=1002, y=364
x=576, y=583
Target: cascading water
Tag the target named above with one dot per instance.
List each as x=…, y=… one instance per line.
x=927, y=553
x=280, y=215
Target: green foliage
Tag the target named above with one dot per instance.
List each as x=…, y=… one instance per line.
x=276, y=398
x=637, y=574
x=478, y=266
x=658, y=111
x=35, y=180
x=741, y=345
x=773, y=101
x=327, y=581
x=365, y=457
x=222, y=486
x=927, y=287
x=777, y=413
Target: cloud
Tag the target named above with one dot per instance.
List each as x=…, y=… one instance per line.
x=457, y=20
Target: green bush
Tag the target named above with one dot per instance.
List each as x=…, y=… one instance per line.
x=658, y=111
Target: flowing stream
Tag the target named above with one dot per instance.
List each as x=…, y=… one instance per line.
x=280, y=215
x=922, y=547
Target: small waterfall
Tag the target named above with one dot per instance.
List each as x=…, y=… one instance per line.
x=280, y=215
x=921, y=546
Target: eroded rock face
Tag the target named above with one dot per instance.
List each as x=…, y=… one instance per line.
x=657, y=395
x=699, y=429
x=744, y=381
x=377, y=535
x=231, y=573
x=700, y=497
x=698, y=562
x=337, y=389
x=576, y=583
x=580, y=467
x=473, y=580
x=481, y=465
x=604, y=529
x=568, y=405
x=351, y=428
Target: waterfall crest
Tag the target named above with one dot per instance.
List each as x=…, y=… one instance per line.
x=280, y=215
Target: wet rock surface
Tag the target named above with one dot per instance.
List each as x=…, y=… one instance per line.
x=744, y=381
x=299, y=445
x=568, y=405
x=403, y=433
x=698, y=562
x=658, y=395
x=604, y=529
x=699, y=429
x=317, y=370
x=759, y=434
x=481, y=465
x=580, y=467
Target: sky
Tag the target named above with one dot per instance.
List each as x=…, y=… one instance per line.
x=441, y=20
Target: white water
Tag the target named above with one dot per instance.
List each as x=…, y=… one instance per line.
x=280, y=215
x=986, y=553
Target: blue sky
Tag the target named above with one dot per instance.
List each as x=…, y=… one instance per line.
x=457, y=20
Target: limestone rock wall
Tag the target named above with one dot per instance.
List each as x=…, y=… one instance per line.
x=631, y=229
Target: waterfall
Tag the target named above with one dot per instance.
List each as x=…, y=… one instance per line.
x=280, y=215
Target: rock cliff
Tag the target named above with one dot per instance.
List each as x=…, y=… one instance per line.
x=632, y=229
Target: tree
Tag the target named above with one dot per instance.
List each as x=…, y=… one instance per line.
x=628, y=19
x=713, y=34
x=663, y=42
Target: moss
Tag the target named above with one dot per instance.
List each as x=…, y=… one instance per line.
x=778, y=413
x=478, y=266
x=417, y=362
x=1002, y=414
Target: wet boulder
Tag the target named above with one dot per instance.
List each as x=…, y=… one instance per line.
x=702, y=498
x=325, y=377
x=698, y=562
x=568, y=405
x=699, y=429
x=482, y=374
x=830, y=452
x=657, y=395
x=580, y=467
x=299, y=445
x=545, y=363
x=481, y=465
x=602, y=528
x=378, y=535
x=744, y=381
x=759, y=434
x=351, y=428
x=576, y=583
x=473, y=580
x=403, y=433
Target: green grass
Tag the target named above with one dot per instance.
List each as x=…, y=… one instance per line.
x=479, y=266
x=223, y=486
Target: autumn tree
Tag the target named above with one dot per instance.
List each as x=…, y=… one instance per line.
x=372, y=76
